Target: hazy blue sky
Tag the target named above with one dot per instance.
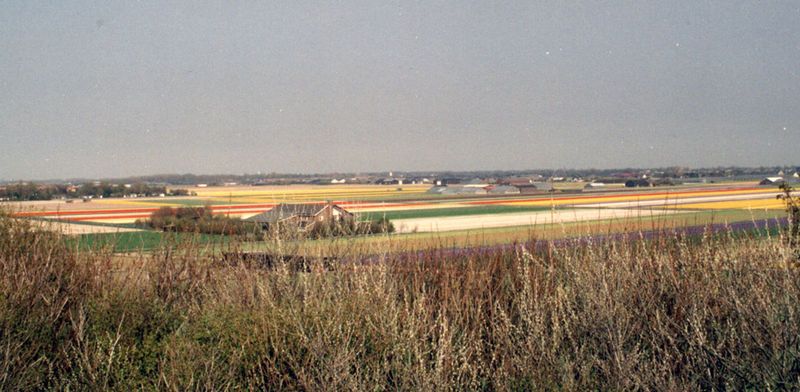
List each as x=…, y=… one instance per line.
x=121, y=88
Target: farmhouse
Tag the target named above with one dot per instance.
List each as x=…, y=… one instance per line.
x=303, y=216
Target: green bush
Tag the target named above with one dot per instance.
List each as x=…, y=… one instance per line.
x=198, y=220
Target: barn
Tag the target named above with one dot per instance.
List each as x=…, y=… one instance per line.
x=536, y=187
x=303, y=216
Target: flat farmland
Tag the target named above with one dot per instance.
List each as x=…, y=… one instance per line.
x=760, y=221
x=415, y=212
x=307, y=193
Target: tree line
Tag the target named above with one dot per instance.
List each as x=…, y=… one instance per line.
x=32, y=191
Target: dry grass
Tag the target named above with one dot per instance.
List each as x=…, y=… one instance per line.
x=670, y=313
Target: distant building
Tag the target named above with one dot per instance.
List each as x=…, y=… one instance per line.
x=471, y=191
x=335, y=181
x=536, y=187
x=544, y=186
x=476, y=183
x=772, y=181
x=447, y=181
x=594, y=185
x=303, y=216
x=390, y=181
x=462, y=190
x=503, y=190
x=639, y=183
x=436, y=189
x=516, y=181
x=418, y=181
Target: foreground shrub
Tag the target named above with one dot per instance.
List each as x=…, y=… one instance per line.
x=349, y=227
x=718, y=312
x=792, y=230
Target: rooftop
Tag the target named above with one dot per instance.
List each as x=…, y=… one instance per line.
x=285, y=211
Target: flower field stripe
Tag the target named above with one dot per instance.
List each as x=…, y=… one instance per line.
x=101, y=216
x=622, y=197
x=769, y=204
x=83, y=212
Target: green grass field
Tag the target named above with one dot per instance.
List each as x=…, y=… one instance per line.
x=142, y=240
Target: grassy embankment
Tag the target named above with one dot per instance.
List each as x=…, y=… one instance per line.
x=715, y=312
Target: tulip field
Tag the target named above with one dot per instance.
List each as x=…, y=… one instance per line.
x=417, y=214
